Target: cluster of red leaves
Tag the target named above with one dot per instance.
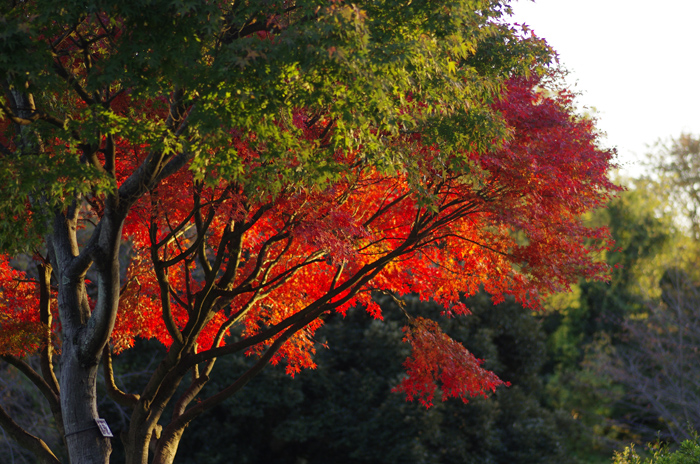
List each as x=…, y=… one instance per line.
x=437, y=360
x=20, y=327
x=512, y=226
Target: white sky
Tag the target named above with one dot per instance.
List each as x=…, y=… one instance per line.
x=637, y=62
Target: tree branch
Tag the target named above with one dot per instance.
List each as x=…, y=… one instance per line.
x=72, y=81
x=33, y=117
x=128, y=400
x=26, y=440
x=36, y=379
x=352, y=286
x=185, y=418
x=46, y=354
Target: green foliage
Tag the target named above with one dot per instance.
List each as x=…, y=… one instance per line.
x=676, y=164
x=360, y=66
x=587, y=321
x=83, y=76
x=688, y=453
x=644, y=240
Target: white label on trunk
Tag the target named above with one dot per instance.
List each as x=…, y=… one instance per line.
x=104, y=428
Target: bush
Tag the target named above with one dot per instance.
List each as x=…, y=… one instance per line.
x=688, y=453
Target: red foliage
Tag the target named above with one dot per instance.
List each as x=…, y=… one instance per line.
x=435, y=360
x=511, y=225
x=20, y=328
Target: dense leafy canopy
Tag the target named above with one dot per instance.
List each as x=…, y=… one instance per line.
x=220, y=71
x=179, y=171
x=265, y=261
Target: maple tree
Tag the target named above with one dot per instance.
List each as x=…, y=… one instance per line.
x=219, y=176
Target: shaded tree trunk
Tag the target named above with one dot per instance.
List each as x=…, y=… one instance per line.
x=85, y=443
x=86, y=327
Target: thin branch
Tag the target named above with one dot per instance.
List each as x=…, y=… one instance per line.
x=56, y=43
x=178, y=300
x=72, y=81
x=186, y=417
x=177, y=110
x=167, y=313
x=502, y=253
x=383, y=209
x=110, y=33
x=196, y=245
x=298, y=322
x=235, y=318
x=337, y=275
x=188, y=288
x=282, y=277
x=231, y=241
x=351, y=285
x=260, y=260
x=35, y=116
x=201, y=232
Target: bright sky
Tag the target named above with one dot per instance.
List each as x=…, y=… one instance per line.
x=637, y=62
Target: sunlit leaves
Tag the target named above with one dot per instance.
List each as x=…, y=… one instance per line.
x=271, y=162
x=20, y=329
x=437, y=361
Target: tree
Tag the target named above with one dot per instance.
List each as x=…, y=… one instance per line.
x=677, y=164
x=657, y=363
x=577, y=323
x=644, y=362
x=259, y=166
x=645, y=239
x=687, y=453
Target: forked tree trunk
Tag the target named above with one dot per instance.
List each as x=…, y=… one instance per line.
x=85, y=330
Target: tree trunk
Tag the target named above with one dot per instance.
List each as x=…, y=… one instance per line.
x=85, y=442
x=167, y=448
x=136, y=444
x=85, y=328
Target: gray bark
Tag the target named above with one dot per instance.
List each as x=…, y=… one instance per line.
x=85, y=331
x=85, y=443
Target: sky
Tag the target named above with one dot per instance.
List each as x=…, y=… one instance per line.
x=637, y=62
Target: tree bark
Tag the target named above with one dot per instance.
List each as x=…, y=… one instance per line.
x=85, y=331
x=85, y=443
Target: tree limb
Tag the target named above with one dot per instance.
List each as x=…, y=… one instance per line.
x=38, y=381
x=128, y=400
x=26, y=440
x=46, y=354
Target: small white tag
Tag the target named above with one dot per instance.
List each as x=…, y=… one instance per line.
x=104, y=428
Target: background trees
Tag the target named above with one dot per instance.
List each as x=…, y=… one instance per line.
x=346, y=411
x=655, y=365
x=591, y=320
x=620, y=356
x=677, y=164
x=259, y=167
x=651, y=359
